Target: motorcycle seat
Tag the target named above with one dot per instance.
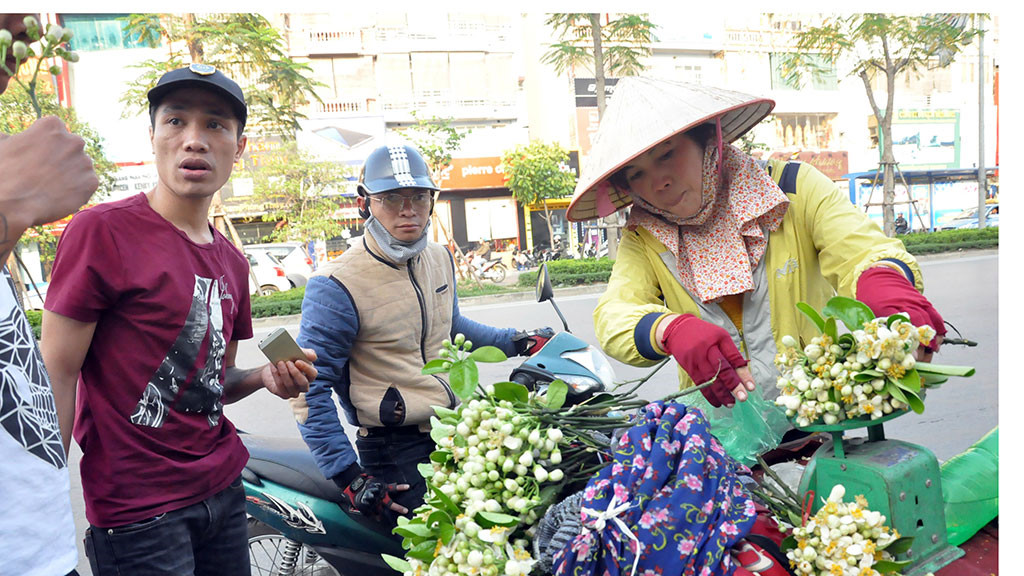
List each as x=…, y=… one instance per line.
x=288, y=462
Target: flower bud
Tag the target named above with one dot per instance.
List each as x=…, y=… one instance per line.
x=31, y=22
x=556, y=475
x=20, y=50
x=555, y=435
x=540, y=474
x=68, y=35
x=788, y=341
x=459, y=339
x=6, y=38
x=55, y=70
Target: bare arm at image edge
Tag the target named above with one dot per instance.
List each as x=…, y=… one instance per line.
x=64, y=345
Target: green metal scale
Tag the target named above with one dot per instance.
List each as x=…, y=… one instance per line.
x=899, y=479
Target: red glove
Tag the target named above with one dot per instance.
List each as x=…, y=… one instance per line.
x=887, y=292
x=704, y=350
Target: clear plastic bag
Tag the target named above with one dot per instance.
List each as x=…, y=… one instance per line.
x=749, y=428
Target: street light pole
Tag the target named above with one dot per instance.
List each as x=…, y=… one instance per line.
x=982, y=181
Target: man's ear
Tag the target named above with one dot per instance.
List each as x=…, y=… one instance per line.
x=241, y=147
x=363, y=202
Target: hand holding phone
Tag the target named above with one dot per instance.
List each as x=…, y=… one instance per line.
x=279, y=346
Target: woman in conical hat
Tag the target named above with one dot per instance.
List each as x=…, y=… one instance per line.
x=719, y=247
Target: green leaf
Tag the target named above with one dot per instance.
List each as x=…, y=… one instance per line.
x=556, y=394
x=511, y=391
x=944, y=370
x=423, y=551
x=933, y=380
x=440, y=456
x=890, y=567
x=895, y=317
x=916, y=404
x=438, y=430
x=788, y=543
x=464, y=378
x=895, y=391
x=439, y=517
x=911, y=381
x=867, y=375
x=812, y=314
x=434, y=367
x=795, y=519
x=443, y=412
x=447, y=532
x=445, y=502
x=491, y=519
x=899, y=546
x=396, y=563
x=847, y=341
x=426, y=470
x=488, y=354
x=831, y=329
x=852, y=313
x=413, y=530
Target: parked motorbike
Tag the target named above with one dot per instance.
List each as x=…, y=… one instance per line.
x=299, y=523
x=493, y=270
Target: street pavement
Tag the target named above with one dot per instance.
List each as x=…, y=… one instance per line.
x=963, y=287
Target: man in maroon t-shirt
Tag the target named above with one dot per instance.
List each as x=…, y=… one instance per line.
x=145, y=309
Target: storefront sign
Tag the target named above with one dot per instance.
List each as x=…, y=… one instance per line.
x=586, y=91
x=831, y=164
x=472, y=173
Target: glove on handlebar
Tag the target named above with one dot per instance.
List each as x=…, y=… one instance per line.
x=704, y=350
x=529, y=343
x=368, y=495
x=887, y=291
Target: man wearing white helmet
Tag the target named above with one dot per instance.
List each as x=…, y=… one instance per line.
x=375, y=315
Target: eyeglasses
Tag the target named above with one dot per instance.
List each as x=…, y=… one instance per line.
x=396, y=202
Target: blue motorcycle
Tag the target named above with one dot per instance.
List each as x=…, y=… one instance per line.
x=299, y=523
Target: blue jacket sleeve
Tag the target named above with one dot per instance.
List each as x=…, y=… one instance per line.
x=329, y=326
x=481, y=334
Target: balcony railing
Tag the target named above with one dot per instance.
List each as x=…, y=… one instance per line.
x=331, y=42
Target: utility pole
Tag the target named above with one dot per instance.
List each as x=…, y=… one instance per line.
x=982, y=179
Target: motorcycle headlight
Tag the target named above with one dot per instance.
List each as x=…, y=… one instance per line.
x=594, y=361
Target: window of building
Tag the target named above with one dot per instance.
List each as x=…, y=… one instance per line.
x=824, y=76
x=98, y=32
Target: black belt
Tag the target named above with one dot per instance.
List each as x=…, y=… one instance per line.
x=391, y=431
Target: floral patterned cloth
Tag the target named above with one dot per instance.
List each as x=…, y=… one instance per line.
x=717, y=248
x=670, y=503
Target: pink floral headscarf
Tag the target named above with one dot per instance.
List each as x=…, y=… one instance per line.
x=718, y=248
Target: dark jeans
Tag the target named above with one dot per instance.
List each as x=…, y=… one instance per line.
x=209, y=538
x=393, y=457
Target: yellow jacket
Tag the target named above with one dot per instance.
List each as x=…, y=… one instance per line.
x=819, y=250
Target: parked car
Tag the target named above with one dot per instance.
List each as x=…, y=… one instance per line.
x=269, y=272
x=32, y=301
x=969, y=218
x=298, y=266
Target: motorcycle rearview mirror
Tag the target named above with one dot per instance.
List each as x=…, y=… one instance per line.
x=545, y=293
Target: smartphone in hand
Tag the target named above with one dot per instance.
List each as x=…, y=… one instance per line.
x=279, y=346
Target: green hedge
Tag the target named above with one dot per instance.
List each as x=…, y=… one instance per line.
x=279, y=303
x=572, y=272
x=35, y=318
x=950, y=240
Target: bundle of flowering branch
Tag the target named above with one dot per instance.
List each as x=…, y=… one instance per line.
x=864, y=374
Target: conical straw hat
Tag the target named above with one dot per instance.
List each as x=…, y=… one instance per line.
x=644, y=112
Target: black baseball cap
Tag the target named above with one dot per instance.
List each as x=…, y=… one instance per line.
x=203, y=76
